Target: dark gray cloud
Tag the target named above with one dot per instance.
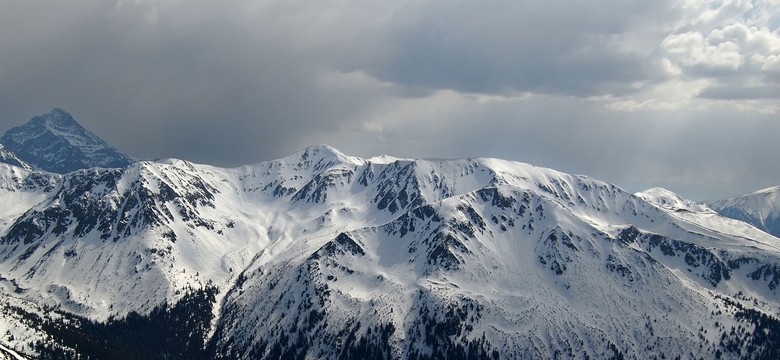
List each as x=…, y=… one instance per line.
x=559, y=47
x=701, y=154
x=236, y=82
x=206, y=83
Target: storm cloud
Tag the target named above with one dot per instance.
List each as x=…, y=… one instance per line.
x=679, y=94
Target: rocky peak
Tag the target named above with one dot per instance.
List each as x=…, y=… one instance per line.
x=56, y=142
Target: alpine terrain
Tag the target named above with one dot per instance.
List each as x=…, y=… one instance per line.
x=324, y=255
x=8, y=157
x=761, y=209
x=55, y=142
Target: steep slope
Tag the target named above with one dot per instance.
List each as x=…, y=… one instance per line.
x=20, y=190
x=700, y=215
x=8, y=157
x=324, y=255
x=108, y=241
x=55, y=142
x=760, y=209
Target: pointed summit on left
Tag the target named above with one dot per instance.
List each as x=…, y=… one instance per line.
x=55, y=142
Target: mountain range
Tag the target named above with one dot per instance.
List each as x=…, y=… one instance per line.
x=324, y=255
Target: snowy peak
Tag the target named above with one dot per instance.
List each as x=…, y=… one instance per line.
x=320, y=157
x=101, y=241
x=57, y=119
x=666, y=199
x=760, y=209
x=55, y=142
x=116, y=204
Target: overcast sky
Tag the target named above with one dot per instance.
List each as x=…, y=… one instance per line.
x=679, y=94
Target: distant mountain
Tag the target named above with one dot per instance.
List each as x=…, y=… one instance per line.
x=8, y=157
x=324, y=255
x=760, y=209
x=55, y=142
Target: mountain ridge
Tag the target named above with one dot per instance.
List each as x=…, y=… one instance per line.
x=322, y=254
x=760, y=209
x=8, y=157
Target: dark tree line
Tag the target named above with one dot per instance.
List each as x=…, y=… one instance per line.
x=763, y=342
x=168, y=332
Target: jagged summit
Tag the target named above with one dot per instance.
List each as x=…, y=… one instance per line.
x=56, y=142
x=57, y=118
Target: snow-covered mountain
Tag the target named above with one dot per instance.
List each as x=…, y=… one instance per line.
x=8, y=157
x=324, y=255
x=760, y=208
x=55, y=142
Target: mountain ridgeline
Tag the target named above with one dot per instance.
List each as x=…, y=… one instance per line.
x=760, y=209
x=324, y=255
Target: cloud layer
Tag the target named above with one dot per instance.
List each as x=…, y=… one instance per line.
x=681, y=94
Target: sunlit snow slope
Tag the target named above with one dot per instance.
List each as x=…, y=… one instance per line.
x=324, y=255
x=760, y=208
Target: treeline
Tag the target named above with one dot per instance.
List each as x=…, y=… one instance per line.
x=758, y=338
x=168, y=332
